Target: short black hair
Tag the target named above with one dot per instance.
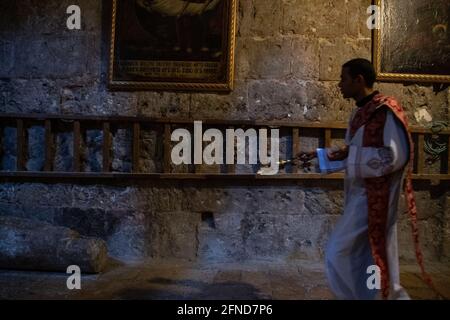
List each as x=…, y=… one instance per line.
x=361, y=67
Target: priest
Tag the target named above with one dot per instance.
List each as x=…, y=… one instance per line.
x=378, y=156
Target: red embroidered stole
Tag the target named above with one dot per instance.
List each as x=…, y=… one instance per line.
x=373, y=117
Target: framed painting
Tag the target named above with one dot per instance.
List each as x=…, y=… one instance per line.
x=412, y=42
x=172, y=45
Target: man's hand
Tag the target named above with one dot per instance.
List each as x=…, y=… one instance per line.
x=306, y=156
x=338, y=154
x=303, y=160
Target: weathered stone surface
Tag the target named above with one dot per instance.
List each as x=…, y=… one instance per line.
x=8, y=192
x=256, y=15
x=414, y=97
x=220, y=246
x=213, y=106
x=278, y=58
x=324, y=19
x=122, y=150
x=40, y=194
x=9, y=144
x=291, y=236
x=67, y=53
x=7, y=58
x=125, y=231
x=92, y=151
x=174, y=234
x=429, y=237
x=36, y=151
x=164, y=199
x=26, y=244
x=275, y=100
x=323, y=102
x=334, y=53
x=268, y=58
x=30, y=95
x=298, y=101
x=63, y=157
x=110, y=197
x=320, y=202
x=305, y=59
x=163, y=104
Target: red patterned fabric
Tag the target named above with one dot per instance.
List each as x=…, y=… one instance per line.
x=373, y=117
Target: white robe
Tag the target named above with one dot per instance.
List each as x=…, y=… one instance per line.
x=348, y=253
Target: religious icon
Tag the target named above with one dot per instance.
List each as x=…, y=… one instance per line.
x=413, y=42
x=172, y=44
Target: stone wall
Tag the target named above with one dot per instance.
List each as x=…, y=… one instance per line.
x=288, y=59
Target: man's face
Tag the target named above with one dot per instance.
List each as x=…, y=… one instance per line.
x=349, y=86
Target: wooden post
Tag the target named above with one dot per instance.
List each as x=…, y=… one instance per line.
x=20, y=145
x=167, y=149
x=76, y=145
x=295, y=146
x=136, y=146
x=231, y=168
x=448, y=154
x=1, y=143
x=106, y=147
x=48, y=145
x=421, y=154
x=327, y=138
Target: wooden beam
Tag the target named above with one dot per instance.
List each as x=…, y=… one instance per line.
x=106, y=146
x=327, y=138
x=122, y=119
x=194, y=176
x=167, y=148
x=420, y=154
x=20, y=157
x=231, y=168
x=136, y=146
x=295, y=146
x=48, y=145
x=448, y=154
x=76, y=146
x=1, y=143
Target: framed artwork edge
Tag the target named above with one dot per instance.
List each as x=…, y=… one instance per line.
x=397, y=77
x=225, y=87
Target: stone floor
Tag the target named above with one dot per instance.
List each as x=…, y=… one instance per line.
x=181, y=280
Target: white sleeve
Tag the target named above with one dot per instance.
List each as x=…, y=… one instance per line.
x=369, y=162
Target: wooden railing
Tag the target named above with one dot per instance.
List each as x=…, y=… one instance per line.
x=76, y=124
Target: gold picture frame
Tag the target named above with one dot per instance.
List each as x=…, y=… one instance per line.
x=176, y=45
x=412, y=43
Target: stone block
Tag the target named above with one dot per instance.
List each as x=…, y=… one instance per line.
x=29, y=96
x=163, y=104
x=26, y=244
x=334, y=53
x=224, y=106
x=53, y=56
x=259, y=17
x=174, y=235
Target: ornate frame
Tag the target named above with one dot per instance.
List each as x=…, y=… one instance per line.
x=228, y=43
x=377, y=49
